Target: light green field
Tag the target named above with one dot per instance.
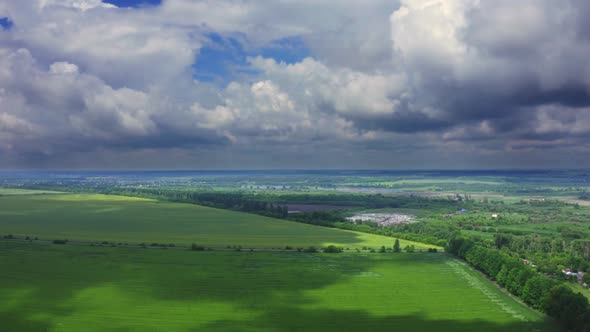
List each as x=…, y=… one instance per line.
x=136, y=220
x=437, y=181
x=426, y=182
x=47, y=287
x=11, y=192
x=579, y=289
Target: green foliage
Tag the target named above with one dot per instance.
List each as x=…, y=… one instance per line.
x=332, y=249
x=197, y=247
x=310, y=249
x=558, y=301
x=396, y=246
x=567, y=307
x=535, y=290
x=502, y=240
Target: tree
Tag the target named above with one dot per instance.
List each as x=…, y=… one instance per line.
x=396, y=246
x=534, y=290
x=502, y=240
x=567, y=307
x=501, y=276
x=454, y=246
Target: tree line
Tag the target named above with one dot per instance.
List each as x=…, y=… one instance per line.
x=568, y=308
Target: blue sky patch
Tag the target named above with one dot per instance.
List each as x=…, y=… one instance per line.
x=288, y=50
x=223, y=59
x=133, y=3
x=5, y=23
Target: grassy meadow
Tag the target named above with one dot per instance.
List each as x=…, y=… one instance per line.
x=91, y=217
x=12, y=192
x=47, y=287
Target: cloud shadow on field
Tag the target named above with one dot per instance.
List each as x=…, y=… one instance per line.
x=291, y=319
x=273, y=287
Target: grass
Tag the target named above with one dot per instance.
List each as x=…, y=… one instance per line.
x=71, y=288
x=579, y=289
x=11, y=192
x=439, y=181
x=88, y=217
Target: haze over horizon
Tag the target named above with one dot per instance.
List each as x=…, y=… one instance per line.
x=229, y=84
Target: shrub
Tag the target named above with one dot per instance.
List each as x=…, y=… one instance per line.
x=332, y=249
x=196, y=247
x=410, y=248
x=310, y=249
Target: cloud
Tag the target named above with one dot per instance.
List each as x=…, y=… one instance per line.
x=494, y=62
x=60, y=110
x=123, y=47
x=423, y=78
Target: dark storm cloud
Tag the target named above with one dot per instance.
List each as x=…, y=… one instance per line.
x=500, y=62
x=406, y=122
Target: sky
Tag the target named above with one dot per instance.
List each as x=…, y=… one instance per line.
x=291, y=84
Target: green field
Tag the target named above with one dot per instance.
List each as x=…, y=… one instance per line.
x=11, y=192
x=89, y=217
x=46, y=287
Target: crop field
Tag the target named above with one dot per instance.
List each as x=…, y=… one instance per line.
x=47, y=287
x=109, y=218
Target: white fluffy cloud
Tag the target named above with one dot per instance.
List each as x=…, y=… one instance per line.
x=344, y=91
x=122, y=47
x=61, y=103
x=263, y=112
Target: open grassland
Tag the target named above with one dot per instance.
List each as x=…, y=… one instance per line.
x=579, y=289
x=137, y=220
x=72, y=288
x=430, y=181
x=11, y=192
